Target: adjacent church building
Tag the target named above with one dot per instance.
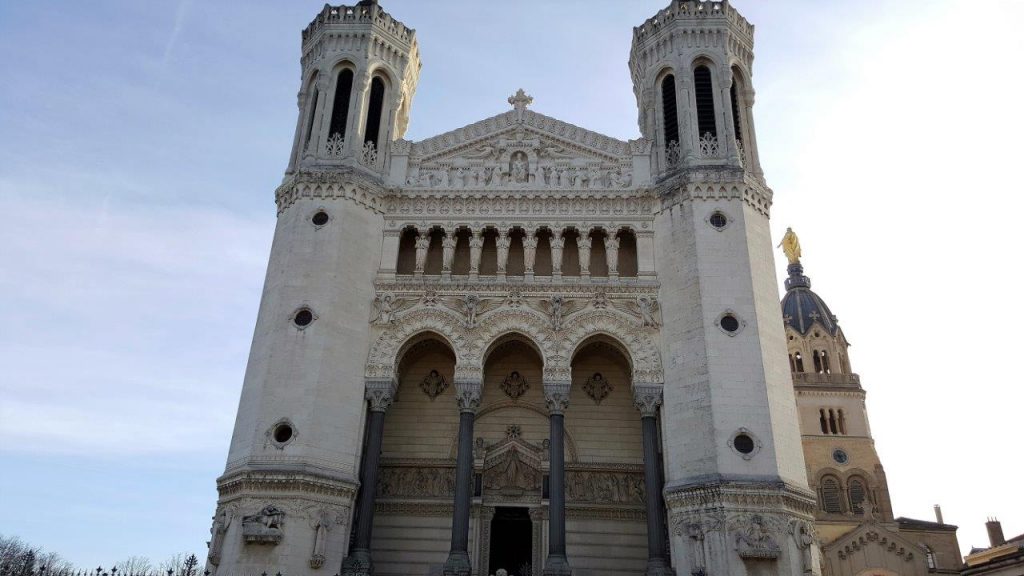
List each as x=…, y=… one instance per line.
x=525, y=346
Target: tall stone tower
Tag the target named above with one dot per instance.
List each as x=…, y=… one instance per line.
x=736, y=486
x=298, y=440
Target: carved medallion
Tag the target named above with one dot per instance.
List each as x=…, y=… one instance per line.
x=597, y=387
x=515, y=385
x=434, y=384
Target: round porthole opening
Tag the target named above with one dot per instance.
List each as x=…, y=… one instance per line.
x=840, y=456
x=729, y=323
x=718, y=220
x=283, y=433
x=320, y=218
x=303, y=318
x=743, y=443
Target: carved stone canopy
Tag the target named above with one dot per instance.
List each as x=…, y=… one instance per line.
x=512, y=467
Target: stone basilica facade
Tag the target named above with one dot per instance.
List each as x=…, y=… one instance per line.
x=523, y=345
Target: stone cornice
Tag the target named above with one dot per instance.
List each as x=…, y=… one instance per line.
x=271, y=481
x=714, y=183
x=342, y=183
x=741, y=495
x=522, y=289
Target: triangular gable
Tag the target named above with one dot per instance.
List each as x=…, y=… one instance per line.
x=573, y=138
x=873, y=547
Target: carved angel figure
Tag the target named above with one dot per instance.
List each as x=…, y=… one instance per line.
x=470, y=303
x=384, y=306
x=648, y=307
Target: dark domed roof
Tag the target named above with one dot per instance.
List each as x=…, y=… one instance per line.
x=801, y=307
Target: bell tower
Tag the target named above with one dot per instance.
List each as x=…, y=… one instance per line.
x=360, y=68
x=736, y=487
x=288, y=491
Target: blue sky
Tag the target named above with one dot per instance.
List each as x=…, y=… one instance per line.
x=140, y=144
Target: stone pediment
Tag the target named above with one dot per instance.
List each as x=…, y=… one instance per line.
x=872, y=546
x=518, y=149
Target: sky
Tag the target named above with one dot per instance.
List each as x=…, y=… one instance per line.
x=141, y=142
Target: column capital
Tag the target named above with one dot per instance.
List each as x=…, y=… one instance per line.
x=647, y=400
x=556, y=396
x=380, y=392
x=467, y=394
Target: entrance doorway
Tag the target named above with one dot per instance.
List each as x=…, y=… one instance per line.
x=511, y=542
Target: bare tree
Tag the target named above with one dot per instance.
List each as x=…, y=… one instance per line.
x=180, y=564
x=134, y=565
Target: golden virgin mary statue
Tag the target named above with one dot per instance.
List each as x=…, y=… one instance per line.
x=791, y=246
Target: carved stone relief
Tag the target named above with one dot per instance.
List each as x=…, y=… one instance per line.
x=515, y=385
x=264, y=527
x=604, y=487
x=416, y=482
x=434, y=384
x=597, y=387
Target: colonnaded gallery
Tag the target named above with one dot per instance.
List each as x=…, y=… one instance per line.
x=521, y=345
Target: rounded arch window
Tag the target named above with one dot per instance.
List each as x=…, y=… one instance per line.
x=375, y=112
x=831, y=501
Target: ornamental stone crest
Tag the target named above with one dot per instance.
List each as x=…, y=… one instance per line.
x=434, y=384
x=515, y=385
x=597, y=387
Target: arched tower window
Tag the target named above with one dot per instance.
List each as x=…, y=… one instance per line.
x=858, y=493
x=737, y=124
x=375, y=112
x=799, y=362
x=831, y=501
x=823, y=421
x=311, y=111
x=668, y=108
x=406, y=263
x=817, y=361
x=825, y=368
x=704, y=93
x=832, y=421
x=342, y=96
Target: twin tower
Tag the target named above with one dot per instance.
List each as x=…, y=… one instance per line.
x=520, y=345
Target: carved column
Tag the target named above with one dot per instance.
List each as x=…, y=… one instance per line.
x=583, y=243
x=380, y=394
x=476, y=246
x=557, y=243
x=359, y=103
x=556, y=395
x=648, y=400
x=529, y=253
x=504, y=241
x=448, y=254
x=468, y=396
x=611, y=247
x=422, y=244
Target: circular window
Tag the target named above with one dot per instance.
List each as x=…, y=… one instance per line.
x=320, y=218
x=840, y=456
x=729, y=323
x=744, y=444
x=718, y=220
x=303, y=318
x=282, y=433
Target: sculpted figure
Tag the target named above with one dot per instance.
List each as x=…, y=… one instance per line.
x=448, y=252
x=495, y=177
x=693, y=530
x=755, y=542
x=471, y=303
x=504, y=241
x=556, y=312
x=221, y=522
x=422, y=244
x=443, y=181
x=791, y=246
x=804, y=541
x=518, y=171
x=611, y=246
x=385, y=308
x=557, y=243
x=319, y=556
x=476, y=244
x=425, y=180
x=647, y=306
x=529, y=252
